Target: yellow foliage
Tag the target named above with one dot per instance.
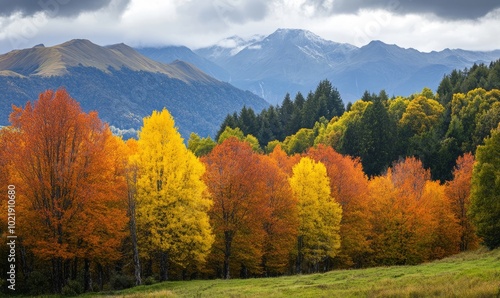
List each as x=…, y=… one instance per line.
x=319, y=213
x=172, y=202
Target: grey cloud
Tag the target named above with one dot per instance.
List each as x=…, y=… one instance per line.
x=445, y=9
x=53, y=8
x=226, y=11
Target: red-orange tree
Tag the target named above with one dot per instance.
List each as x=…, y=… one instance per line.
x=458, y=191
x=281, y=227
x=233, y=178
x=71, y=189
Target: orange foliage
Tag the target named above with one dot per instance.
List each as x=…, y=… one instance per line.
x=349, y=186
x=443, y=226
x=254, y=216
x=412, y=217
x=387, y=220
x=282, y=225
x=409, y=176
x=67, y=167
x=284, y=161
x=233, y=178
x=458, y=191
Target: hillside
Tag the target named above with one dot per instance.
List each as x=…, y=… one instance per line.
x=121, y=84
x=470, y=274
x=170, y=54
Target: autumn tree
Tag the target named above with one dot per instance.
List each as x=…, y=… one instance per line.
x=240, y=206
x=131, y=174
x=200, y=146
x=412, y=217
x=299, y=142
x=485, y=193
x=349, y=185
x=409, y=178
x=441, y=227
x=70, y=176
x=458, y=191
x=172, y=204
x=399, y=217
x=284, y=161
x=282, y=224
x=237, y=133
x=386, y=220
x=319, y=215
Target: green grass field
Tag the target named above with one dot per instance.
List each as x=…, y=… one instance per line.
x=471, y=274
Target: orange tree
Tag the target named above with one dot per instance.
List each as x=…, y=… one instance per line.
x=67, y=168
x=234, y=178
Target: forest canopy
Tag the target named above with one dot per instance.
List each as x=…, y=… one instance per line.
x=307, y=186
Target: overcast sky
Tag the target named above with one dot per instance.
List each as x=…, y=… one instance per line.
x=425, y=25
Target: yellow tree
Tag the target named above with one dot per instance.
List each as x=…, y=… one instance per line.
x=172, y=202
x=387, y=222
x=319, y=215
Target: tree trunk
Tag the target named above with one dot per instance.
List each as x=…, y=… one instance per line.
x=133, y=228
x=57, y=275
x=27, y=267
x=74, y=269
x=87, y=281
x=100, y=274
x=228, y=238
x=163, y=266
x=298, y=268
x=148, y=271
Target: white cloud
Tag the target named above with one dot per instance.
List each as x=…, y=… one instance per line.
x=197, y=23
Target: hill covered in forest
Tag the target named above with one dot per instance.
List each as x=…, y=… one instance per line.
x=121, y=84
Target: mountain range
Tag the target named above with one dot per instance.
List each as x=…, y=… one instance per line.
x=292, y=60
x=201, y=87
x=122, y=85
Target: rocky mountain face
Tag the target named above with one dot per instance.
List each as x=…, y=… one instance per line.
x=122, y=85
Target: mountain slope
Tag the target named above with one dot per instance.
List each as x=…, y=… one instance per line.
x=226, y=48
x=291, y=60
x=121, y=84
x=172, y=53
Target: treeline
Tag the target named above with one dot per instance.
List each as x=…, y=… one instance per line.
x=436, y=128
x=278, y=122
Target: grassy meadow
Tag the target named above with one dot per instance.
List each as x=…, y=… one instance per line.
x=470, y=274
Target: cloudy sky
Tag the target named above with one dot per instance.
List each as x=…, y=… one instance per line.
x=425, y=25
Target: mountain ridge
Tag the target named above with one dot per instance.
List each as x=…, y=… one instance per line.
x=122, y=85
x=306, y=59
x=54, y=61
